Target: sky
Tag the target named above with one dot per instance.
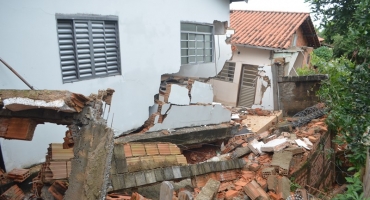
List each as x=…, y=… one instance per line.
x=274, y=5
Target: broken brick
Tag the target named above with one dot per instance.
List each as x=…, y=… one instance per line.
x=13, y=193
x=231, y=194
x=19, y=175
x=17, y=128
x=254, y=167
x=58, y=189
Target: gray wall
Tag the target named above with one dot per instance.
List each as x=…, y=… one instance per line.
x=298, y=92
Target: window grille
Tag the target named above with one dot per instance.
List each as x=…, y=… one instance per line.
x=196, y=43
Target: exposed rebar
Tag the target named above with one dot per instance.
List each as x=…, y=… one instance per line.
x=16, y=73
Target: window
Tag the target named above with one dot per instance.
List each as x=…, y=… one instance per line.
x=88, y=47
x=196, y=43
x=227, y=72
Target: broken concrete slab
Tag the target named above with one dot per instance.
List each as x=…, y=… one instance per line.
x=193, y=115
x=283, y=188
x=281, y=161
x=260, y=124
x=90, y=167
x=303, y=144
x=201, y=93
x=177, y=94
x=240, y=152
x=209, y=191
x=185, y=136
x=272, y=182
x=255, y=146
x=61, y=100
x=275, y=145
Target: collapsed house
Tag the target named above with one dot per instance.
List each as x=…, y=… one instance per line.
x=127, y=46
x=266, y=46
x=254, y=154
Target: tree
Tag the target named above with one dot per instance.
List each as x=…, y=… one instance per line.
x=346, y=22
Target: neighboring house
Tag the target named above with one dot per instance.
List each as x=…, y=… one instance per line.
x=82, y=46
x=265, y=44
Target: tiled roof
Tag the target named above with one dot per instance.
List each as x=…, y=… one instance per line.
x=271, y=29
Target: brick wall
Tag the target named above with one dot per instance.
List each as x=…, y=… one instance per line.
x=301, y=39
x=318, y=172
x=298, y=92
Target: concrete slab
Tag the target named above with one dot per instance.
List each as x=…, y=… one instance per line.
x=185, y=136
x=275, y=145
x=209, y=190
x=193, y=115
x=178, y=95
x=201, y=93
x=259, y=124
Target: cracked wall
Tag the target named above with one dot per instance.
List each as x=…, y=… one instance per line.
x=149, y=47
x=186, y=103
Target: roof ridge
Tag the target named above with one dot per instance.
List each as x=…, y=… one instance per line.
x=266, y=11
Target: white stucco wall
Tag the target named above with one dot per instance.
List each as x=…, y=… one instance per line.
x=149, y=33
x=226, y=92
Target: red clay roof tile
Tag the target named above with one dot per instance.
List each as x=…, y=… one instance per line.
x=270, y=28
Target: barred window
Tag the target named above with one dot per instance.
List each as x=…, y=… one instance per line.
x=88, y=47
x=196, y=43
x=227, y=72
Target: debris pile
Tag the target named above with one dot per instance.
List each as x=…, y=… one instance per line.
x=270, y=157
x=22, y=110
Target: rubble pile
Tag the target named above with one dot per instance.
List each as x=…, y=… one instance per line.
x=270, y=157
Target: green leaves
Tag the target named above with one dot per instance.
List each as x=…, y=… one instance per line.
x=347, y=25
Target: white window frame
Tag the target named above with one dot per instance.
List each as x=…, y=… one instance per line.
x=197, y=45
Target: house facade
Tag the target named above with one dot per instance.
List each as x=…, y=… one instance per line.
x=266, y=45
x=83, y=46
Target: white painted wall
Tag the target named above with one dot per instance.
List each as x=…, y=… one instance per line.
x=226, y=92
x=149, y=44
x=267, y=101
